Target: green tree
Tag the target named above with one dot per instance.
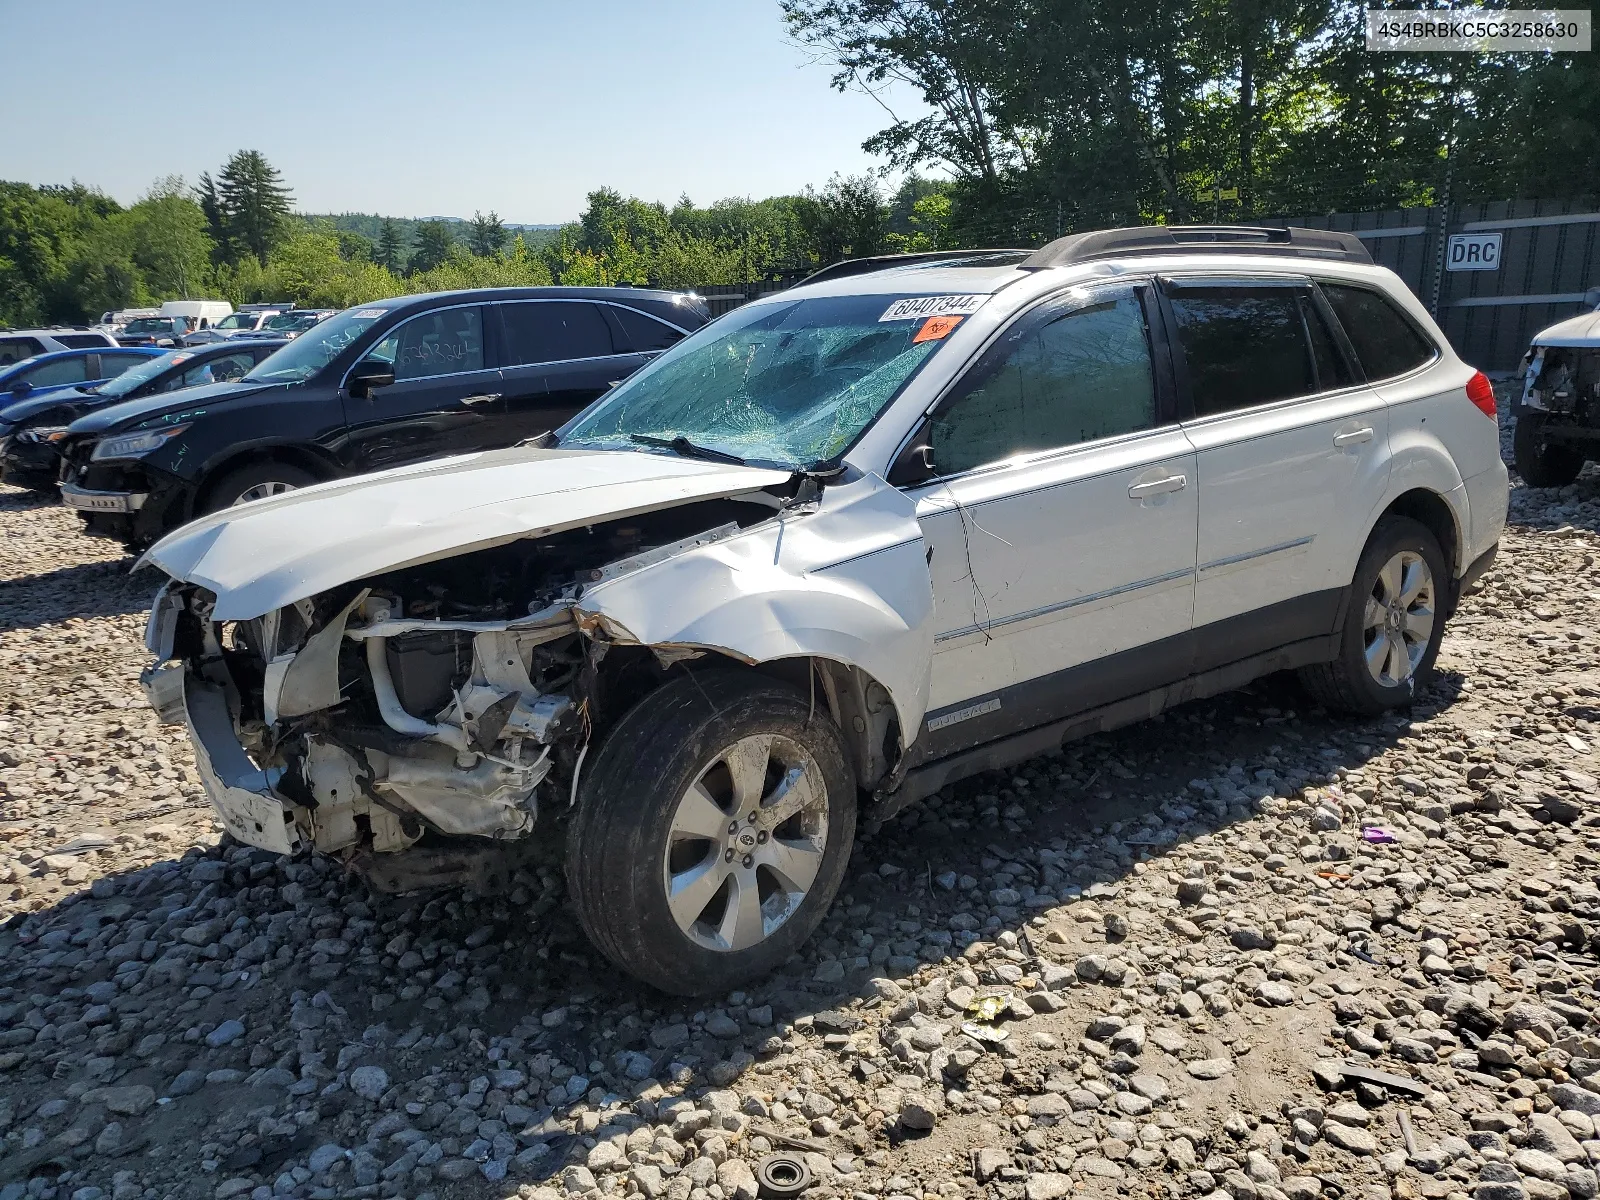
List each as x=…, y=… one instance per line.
x=353, y=246
x=170, y=244
x=847, y=219
x=434, y=242
x=486, y=235
x=391, y=245
x=254, y=203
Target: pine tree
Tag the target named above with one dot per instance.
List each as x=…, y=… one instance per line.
x=486, y=236
x=255, y=204
x=434, y=243
x=216, y=219
x=391, y=245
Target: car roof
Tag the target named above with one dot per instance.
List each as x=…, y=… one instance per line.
x=1581, y=330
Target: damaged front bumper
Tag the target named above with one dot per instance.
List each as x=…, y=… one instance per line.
x=308, y=777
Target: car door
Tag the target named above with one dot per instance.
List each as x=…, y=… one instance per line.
x=446, y=397
x=1062, y=522
x=1291, y=448
x=560, y=355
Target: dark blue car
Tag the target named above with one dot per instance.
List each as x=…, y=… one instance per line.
x=30, y=427
x=45, y=373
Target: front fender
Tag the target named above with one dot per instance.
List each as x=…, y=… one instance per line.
x=846, y=581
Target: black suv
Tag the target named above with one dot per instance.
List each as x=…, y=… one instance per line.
x=32, y=430
x=379, y=385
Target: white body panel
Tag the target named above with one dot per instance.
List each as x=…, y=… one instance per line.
x=1282, y=498
x=1048, y=563
x=263, y=555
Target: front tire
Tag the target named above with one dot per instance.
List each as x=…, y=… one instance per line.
x=257, y=481
x=1541, y=464
x=1398, y=601
x=713, y=830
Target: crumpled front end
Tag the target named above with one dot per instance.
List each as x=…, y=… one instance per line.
x=352, y=727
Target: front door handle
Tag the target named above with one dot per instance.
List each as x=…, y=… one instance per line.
x=1354, y=437
x=481, y=398
x=1157, y=487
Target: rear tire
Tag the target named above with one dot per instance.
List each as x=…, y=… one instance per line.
x=1394, y=623
x=682, y=865
x=1540, y=464
x=256, y=481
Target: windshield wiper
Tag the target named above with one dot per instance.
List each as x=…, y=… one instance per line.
x=682, y=445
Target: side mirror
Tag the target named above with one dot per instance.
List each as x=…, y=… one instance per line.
x=915, y=464
x=367, y=374
x=21, y=387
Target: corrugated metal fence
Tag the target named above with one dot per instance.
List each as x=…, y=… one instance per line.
x=1547, y=258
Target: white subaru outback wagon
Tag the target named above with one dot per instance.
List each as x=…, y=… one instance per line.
x=914, y=519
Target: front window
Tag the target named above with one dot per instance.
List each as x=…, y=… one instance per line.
x=302, y=358
x=792, y=383
x=131, y=380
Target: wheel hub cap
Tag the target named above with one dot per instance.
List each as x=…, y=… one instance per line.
x=745, y=843
x=1399, y=620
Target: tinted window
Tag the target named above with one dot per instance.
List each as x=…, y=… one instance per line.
x=553, y=331
x=1243, y=346
x=447, y=342
x=1332, y=370
x=644, y=333
x=1386, y=341
x=112, y=365
x=80, y=341
x=61, y=370
x=15, y=349
x=1055, y=382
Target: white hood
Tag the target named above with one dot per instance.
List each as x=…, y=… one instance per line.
x=1581, y=330
x=264, y=555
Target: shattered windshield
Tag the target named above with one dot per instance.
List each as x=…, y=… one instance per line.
x=788, y=383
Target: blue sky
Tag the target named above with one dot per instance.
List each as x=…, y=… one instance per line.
x=414, y=108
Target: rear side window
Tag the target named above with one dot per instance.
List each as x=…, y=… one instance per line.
x=1385, y=339
x=1245, y=346
x=80, y=341
x=554, y=331
x=643, y=333
x=62, y=370
x=15, y=349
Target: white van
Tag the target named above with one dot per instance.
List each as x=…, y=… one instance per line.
x=201, y=314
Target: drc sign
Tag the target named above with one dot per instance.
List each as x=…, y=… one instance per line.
x=1473, y=252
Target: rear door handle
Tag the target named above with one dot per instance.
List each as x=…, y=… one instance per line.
x=481, y=398
x=1354, y=437
x=1157, y=487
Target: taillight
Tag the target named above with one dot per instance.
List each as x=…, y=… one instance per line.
x=1481, y=392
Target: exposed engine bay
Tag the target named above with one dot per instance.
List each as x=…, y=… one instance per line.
x=1564, y=381
x=455, y=699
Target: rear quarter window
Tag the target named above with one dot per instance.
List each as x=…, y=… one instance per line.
x=1387, y=342
x=644, y=333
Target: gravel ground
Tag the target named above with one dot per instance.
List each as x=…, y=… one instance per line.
x=1249, y=951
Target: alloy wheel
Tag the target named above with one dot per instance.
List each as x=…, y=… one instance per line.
x=261, y=491
x=1399, y=618
x=746, y=842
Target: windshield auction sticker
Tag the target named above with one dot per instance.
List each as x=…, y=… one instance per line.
x=1483, y=30
x=933, y=306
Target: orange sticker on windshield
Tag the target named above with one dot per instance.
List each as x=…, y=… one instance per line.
x=935, y=328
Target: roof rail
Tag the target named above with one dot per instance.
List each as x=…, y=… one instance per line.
x=1292, y=241
x=882, y=262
